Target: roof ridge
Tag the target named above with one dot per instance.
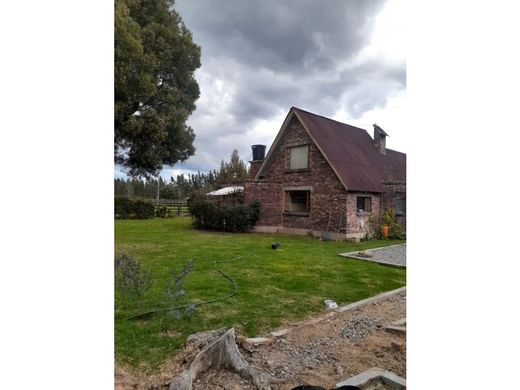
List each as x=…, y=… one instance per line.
x=330, y=119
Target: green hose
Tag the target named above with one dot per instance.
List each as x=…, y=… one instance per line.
x=155, y=311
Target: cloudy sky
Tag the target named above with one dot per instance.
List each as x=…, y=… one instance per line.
x=344, y=59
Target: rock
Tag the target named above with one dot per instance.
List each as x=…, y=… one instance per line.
x=399, y=347
x=330, y=304
x=255, y=343
x=364, y=254
x=280, y=333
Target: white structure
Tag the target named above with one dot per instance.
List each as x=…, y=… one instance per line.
x=226, y=191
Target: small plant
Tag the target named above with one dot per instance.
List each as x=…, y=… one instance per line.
x=130, y=280
x=175, y=291
x=395, y=231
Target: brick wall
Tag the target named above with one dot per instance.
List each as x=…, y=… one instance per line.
x=254, y=167
x=328, y=196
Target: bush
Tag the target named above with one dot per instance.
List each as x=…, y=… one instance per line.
x=144, y=209
x=132, y=208
x=123, y=207
x=161, y=212
x=232, y=218
x=130, y=279
x=395, y=231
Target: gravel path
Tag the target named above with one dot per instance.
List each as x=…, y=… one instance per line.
x=394, y=255
x=314, y=353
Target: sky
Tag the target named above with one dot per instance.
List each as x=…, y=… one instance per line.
x=341, y=59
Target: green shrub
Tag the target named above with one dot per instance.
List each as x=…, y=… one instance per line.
x=144, y=209
x=236, y=218
x=132, y=208
x=130, y=280
x=123, y=207
x=395, y=231
x=161, y=212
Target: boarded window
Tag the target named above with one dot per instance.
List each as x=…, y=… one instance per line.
x=364, y=203
x=298, y=157
x=297, y=201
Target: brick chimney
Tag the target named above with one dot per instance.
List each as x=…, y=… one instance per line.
x=380, y=139
x=258, y=159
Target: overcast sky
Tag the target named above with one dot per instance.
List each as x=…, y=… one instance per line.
x=344, y=59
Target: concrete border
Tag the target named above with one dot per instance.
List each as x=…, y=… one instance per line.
x=376, y=298
x=378, y=247
x=398, y=327
x=350, y=254
x=362, y=379
x=334, y=312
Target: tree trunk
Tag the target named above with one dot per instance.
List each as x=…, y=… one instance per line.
x=221, y=354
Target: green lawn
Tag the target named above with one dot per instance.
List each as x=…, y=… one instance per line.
x=275, y=286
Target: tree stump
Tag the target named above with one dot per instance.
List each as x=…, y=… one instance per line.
x=223, y=353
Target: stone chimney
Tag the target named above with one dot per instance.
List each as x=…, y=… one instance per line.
x=258, y=159
x=380, y=139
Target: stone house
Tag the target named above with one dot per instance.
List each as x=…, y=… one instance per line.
x=321, y=175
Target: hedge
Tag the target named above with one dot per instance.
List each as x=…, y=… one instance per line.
x=125, y=207
x=208, y=214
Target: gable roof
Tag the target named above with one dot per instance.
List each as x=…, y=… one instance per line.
x=350, y=151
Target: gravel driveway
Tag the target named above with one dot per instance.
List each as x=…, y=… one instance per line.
x=394, y=255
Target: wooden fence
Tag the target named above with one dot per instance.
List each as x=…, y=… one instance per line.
x=173, y=208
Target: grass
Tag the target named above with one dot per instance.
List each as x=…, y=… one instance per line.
x=275, y=286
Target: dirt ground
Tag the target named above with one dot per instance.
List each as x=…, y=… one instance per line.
x=314, y=353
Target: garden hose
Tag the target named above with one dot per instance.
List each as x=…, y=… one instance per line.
x=235, y=289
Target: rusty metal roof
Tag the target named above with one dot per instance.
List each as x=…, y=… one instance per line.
x=352, y=153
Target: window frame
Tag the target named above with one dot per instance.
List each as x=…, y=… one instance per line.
x=288, y=153
x=288, y=193
x=365, y=197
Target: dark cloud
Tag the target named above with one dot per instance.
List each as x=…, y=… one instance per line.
x=285, y=35
x=259, y=58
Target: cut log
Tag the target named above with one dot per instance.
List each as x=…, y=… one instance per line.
x=223, y=353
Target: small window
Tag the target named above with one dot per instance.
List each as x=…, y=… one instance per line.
x=400, y=206
x=297, y=201
x=298, y=157
x=364, y=203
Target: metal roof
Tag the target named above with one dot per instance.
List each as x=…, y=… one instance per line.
x=226, y=191
x=352, y=153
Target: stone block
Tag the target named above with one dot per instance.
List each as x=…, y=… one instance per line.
x=255, y=343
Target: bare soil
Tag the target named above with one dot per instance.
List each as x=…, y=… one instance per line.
x=316, y=352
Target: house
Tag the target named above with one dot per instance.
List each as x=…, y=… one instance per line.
x=321, y=175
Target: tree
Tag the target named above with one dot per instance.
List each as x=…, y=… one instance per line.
x=155, y=87
x=232, y=172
